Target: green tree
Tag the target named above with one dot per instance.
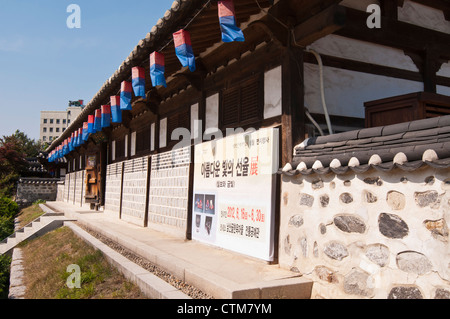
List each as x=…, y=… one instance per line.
x=23, y=144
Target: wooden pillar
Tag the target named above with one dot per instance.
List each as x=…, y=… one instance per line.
x=293, y=115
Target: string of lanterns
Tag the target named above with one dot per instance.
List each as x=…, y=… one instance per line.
x=108, y=114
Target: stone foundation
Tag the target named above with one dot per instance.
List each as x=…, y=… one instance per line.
x=372, y=235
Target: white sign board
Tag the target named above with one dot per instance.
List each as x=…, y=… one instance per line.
x=234, y=192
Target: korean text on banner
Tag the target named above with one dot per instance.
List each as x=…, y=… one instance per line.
x=234, y=192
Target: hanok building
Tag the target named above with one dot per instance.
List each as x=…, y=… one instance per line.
x=363, y=211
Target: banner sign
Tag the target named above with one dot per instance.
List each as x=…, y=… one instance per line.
x=234, y=192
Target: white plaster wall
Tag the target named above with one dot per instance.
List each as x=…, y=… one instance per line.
x=194, y=117
x=427, y=17
x=152, y=137
x=272, y=93
x=346, y=91
x=212, y=113
x=444, y=70
x=163, y=132
x=342, y=47
x=133, y=144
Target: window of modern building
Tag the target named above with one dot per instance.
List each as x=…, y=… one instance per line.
x=45, y=121
x=64, y=121
x=44, y=138
x=57, y=121
x=44, y=129
x=51, y=129
x=57, y=130
x=51, y=121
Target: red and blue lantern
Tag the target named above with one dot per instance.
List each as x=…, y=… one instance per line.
x=157, y=69
x=106, y=116
x=125, y=96
x=227, y=19
x=65, y=147
x=98, y=120
x=138, y=81
x=80, y=136
x=85, y=131
x=91, y=120
x=183, y=49
x=116, y=112
x=75, y=139
x=70, y=143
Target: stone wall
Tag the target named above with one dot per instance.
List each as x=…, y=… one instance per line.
x=372, y=235
x=168, y=198
x=60, y=190
x=134, y=190
x=113, y=189
x=30, y=190
x=79, y=188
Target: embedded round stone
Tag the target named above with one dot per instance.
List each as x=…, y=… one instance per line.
x=392, y=226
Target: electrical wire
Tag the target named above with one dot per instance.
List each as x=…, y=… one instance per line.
x=322, y=90
x=313, y=121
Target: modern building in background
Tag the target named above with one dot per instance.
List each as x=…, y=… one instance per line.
x=53, y=123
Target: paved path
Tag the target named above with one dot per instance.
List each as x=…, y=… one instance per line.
x=218, y=272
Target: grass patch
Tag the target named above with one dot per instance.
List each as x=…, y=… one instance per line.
x=45, y=270
x=28, y=214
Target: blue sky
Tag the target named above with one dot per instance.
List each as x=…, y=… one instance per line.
x=44, y=64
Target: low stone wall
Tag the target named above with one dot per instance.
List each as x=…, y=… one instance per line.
x=372, y=235
x=30, y=190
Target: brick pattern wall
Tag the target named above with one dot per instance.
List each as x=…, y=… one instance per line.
x=169, y=191
x=71, y=188
x=113, y=187
x=134, y=189
x=79, y=188
x=66, y=187
x=60, y=191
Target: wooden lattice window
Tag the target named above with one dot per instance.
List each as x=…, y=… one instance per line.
x=120, y=148
x=143, y=140
x=242, y=104
x=179, y=119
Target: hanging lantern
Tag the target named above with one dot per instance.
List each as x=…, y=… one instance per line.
x=69, y=143
x=138, y=81
x=227, y=19
x=106, y=116
x=157, y=69
x=80, y=136
x=91, y=120
x=65, y=147
x=75, y=139
x=125, y=96
x=98, y=120
x=183, y=49
x=85, y=131
x=116, y=112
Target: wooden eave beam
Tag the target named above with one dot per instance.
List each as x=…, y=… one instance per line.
x=324, y=23
x=396, y=34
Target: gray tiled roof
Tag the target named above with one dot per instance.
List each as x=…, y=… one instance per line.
x=408, y=146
